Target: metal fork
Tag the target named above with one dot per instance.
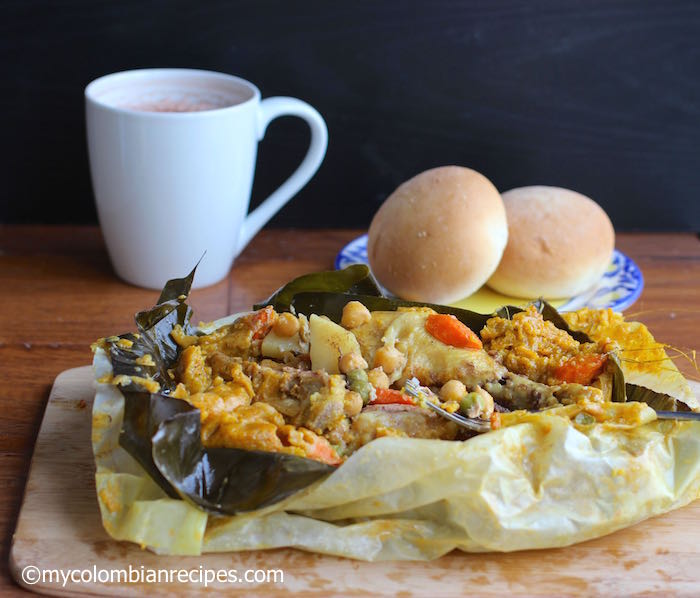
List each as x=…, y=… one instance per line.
x=685, y=415
x=422, y=394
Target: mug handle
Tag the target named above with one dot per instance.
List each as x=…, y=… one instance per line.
x=271, y=108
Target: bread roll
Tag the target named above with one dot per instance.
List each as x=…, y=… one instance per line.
x=439, y=236
x=559, y=243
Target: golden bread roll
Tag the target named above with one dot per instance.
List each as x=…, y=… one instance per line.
x=439, y=236
x=559, y=243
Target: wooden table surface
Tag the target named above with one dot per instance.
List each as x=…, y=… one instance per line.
x=59, y=294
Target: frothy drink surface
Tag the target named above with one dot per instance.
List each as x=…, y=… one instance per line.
x=176, y=101
x=174, y=105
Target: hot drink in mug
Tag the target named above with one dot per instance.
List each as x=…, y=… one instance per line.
x=172, y=157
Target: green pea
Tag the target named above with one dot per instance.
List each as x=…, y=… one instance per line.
x=471, y=402
x=584, y=419
x=358, y=381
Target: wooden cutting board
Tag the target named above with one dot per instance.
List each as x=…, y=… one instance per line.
x=59, y=528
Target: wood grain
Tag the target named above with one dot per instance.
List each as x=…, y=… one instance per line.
x=59, y=294
x=59, y=527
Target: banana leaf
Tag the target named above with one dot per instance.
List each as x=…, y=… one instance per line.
x=619, y=388
x=355, y=279
x=331, y=305
x=655, y=400
x=326, y=293
x=164, y=434
x=153, y=338
x=223, y=480
x=136, y=433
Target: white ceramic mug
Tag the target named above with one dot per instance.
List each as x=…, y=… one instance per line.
x=172, y=156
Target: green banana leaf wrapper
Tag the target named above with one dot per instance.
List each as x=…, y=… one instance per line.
x=395, y=498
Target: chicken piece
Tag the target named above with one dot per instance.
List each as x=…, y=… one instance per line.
x=327, y=406
x=313, y=399
x=243, y=338
x=251, y=427
x=518, y=392
x=428, y=359
x=289, y=390
x=192, y=371
x=513, y=392
x=260, y=427
x=221, y=399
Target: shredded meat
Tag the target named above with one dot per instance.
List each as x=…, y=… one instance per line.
x=313, y=399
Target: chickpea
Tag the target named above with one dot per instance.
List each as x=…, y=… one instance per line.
x=389, y=359
x=487, y=403
x=351, y=361
x=286, y=325
x=355, y=314
x=453, y=390
x=378, y=378
x=353, y=403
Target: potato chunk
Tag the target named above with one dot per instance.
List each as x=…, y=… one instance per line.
x=328, y=343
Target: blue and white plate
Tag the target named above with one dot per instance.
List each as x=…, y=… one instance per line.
x=618, y=288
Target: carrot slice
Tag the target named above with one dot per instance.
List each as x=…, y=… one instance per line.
x=581, y=369
x=321, y=450
x=261, y=322
x=387, y=396
x=449, y=330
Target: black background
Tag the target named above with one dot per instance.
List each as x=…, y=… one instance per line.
x=599, y=96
